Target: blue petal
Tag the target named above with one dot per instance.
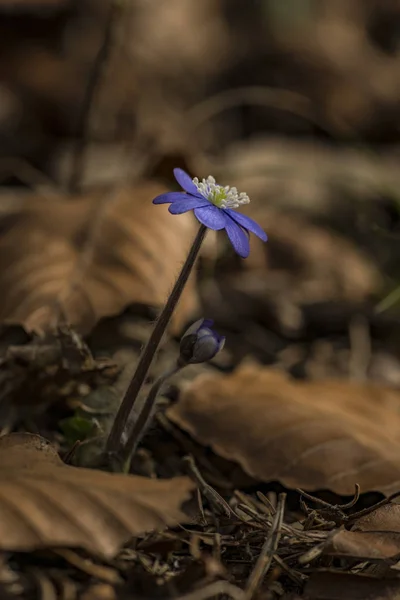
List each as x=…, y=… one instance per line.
x=170, y=197
x=207, y=323
x=185, y=182
x=247, y=223
x=187, y=203
x=239, y=238
x=211, y=216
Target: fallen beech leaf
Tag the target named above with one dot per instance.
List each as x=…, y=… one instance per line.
x=312, y=435
x=384, y=518
x=346, y=586
x=365, y=545
x=87, y=258
x=376, y=536
x=45, y=503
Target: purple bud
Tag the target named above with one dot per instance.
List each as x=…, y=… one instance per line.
x=200, y=343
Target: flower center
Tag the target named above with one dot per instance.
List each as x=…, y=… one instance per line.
x=222, y=197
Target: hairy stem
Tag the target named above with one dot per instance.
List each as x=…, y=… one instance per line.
x=114, y=441
x=143, y=420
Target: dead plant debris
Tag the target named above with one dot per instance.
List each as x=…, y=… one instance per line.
x=313, y=435
x=95, y=94
x=82, y=259
x=45, y=503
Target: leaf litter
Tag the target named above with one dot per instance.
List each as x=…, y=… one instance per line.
x=240, y=543
x=313, y=435
x=249, y=544
x=45, y=503
x=82, y=259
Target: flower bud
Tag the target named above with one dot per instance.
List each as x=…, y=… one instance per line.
x=200, y=343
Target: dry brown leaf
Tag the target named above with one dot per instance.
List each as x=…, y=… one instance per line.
x=90, y=258
x=376, y=536
x=346, y=586
x=365, y=545
x=45, y=503
x=313, y=435
x=384, y=518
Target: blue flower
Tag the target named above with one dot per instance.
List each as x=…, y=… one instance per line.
x=200, y=343
x=213, y=206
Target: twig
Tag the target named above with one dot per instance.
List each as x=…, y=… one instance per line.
x=337, y=510
x=327, y=505
x=67, y=459
x=315, y=552
x=247, y=500
x=352, y=502
x=268, y=550
x=267, y=502
x=83, y=125
x=212, y=495
x=334, y=511
x=367, y=511
x=262, y=520
x=266, y=522
x=295, y=576
x=213, y=476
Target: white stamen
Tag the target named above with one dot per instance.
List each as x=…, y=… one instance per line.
x=221, y=196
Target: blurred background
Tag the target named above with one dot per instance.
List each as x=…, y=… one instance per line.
x=296, y=103
x=179, y=77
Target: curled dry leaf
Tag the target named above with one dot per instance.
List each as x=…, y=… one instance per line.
x=312, y=435
x=376, y=536
x=384, y=518
x=45, y=503
x=373, y=546
x=87, y=258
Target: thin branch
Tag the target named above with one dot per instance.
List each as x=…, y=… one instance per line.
x=207, y=490
x=369, y=510
x=83, y=124
x=264, y=561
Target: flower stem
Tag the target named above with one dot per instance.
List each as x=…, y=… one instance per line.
x=143, y=420
x=113, y=443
